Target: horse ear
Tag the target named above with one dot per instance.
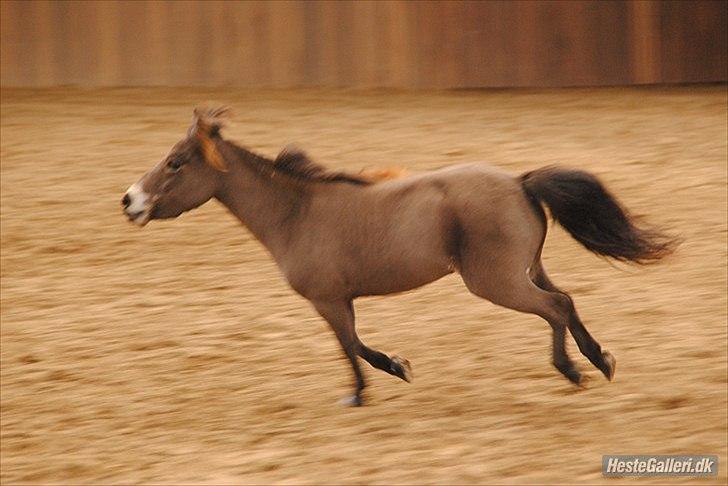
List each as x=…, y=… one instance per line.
x=206, y=125
x=211, y=153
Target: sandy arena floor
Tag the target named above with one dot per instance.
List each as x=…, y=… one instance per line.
x=176, y=353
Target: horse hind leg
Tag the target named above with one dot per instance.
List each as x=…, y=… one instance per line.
x=514, y=289
x=588, y=346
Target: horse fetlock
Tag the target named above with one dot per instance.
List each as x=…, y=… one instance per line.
x=401, y=368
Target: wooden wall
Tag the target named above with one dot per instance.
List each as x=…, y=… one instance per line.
x=363, y=44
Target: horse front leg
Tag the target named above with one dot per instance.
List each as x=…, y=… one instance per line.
x=394, y=365
x=340, y=316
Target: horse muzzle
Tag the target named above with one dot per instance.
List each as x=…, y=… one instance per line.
x=137, y=205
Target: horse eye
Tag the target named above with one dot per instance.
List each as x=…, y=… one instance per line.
x=175, y=164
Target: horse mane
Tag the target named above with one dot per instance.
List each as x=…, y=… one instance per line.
x=297, y=164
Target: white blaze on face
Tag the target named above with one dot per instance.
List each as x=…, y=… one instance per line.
x=138, y=208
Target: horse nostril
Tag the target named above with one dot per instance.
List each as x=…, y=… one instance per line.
x=125, y=201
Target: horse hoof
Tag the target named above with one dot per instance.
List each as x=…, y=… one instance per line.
x=610, y=364
x=571, y=373
x=575, y=377
x=352, y=401
x=401, y=368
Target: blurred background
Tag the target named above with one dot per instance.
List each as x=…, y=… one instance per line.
x=403, y=44
x=176, y=354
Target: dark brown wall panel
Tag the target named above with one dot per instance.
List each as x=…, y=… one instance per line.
x=693, y=41
x=420, y=44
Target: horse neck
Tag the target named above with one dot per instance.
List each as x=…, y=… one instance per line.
x=266, y=205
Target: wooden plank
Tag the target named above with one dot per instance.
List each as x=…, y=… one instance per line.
x=363, y=46
x=402, y=33
x=644, y=34
x=247, y=38
x=130, y=42
x=423, y=15
x=156, y=27
x=608, y=34
x=312, y=43
x=527, y=52
x=324, y=53
x=14, y=68
x=489, y=40
x=287, y=34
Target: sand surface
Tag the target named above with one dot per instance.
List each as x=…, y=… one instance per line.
x=176, y=353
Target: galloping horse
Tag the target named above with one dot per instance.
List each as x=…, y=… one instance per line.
x=338, y=236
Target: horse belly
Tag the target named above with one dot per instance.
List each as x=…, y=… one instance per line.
x=392, y=282
x=398, y=267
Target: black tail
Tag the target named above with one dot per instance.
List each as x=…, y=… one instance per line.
x=594, y=217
